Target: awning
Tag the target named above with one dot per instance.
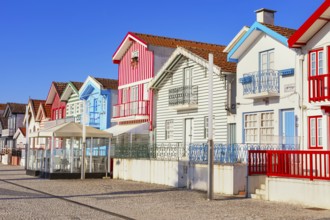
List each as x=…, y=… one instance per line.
x=141, y=128
x=71, y=129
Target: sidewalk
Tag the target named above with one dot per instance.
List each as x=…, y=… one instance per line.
x=27, y=197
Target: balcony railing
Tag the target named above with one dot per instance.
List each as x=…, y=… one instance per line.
x=131, y=109
x=319, y=88
x=183, y=95
x=8, y=132
x=50, y=124
x=261, y=83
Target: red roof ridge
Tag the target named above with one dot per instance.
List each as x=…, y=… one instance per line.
x=175, y=39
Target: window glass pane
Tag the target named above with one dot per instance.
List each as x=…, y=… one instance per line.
x=271, y=60
x=313, y=64
x=312, y=132
x=320, y=62
x=319, y=132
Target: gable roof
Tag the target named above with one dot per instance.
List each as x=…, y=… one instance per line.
x=199, y=56
x=56, y=87
x=19, y=131
x=14, y=108
x=311, y=26
x=279, y=33
x=108, y=83
x=69, y=89
x=35, y=105
x=44, y=110
x=148, y=39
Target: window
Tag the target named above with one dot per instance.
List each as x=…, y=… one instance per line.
x=145, y=91
x=251, y=128
x=206, y=126
x=315, y=131
x=124, y=96
x=95, y=105
x=259, y=127
x=168, y=129
x=59, y=113
x=187, y=78
x=316, y=62
x=267, y=60
x=134, y=93
x=104, y=104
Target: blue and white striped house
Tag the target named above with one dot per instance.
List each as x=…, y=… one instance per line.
x=100, y=95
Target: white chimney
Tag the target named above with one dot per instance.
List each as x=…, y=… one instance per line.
x=265, y=15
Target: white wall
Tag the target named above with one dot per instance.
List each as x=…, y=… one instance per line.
x=228, y=179
x=299, y=191
x=284, y=58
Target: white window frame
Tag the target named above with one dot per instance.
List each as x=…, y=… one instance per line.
x=169, y=129
x=260, y=129
x=145, y=91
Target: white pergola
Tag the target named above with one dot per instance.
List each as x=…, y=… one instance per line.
x=71, y=130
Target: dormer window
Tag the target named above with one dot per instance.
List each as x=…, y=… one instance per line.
x=135, y=58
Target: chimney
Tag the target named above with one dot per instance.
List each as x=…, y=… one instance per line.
x=265, y=15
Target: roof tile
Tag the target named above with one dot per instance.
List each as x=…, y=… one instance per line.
x=108, y=83
x=286, y=32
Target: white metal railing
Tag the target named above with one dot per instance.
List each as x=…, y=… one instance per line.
x=50, y=124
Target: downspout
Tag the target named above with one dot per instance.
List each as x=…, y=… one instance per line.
x=301, y=64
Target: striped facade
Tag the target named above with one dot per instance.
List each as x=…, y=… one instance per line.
x=198, y=114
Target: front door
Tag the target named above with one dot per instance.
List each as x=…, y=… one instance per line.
x=288, y=127
x=188, y=137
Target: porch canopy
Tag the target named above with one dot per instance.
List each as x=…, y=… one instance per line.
x=70, y=129
x=66, y=152
x=140, y=128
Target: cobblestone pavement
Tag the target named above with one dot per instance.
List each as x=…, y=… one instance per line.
x=26, y=197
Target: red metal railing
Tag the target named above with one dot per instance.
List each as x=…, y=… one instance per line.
x=319, y=88
x=131, y=109
x=292, y=164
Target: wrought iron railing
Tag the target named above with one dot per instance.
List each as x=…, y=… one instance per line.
x=183, y=95
x=232, y=153
x=131, y=109
x=161, y=151
x=261, y=81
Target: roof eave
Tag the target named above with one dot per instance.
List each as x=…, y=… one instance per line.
x=233, y=54
x=124, y=45
x=294, y=40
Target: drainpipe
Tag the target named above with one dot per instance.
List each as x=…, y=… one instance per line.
x=301, y=66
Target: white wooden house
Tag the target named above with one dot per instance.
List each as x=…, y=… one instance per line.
x=74, y=106
x=267, y=98
x=312, y=40
x=181, y=96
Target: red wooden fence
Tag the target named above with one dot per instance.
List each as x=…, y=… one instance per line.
x=292, y=164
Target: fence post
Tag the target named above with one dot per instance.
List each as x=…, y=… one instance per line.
x=311, y=166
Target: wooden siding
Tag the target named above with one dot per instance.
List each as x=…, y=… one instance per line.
x=76, y=103
x=143, y=70
x=200, y=79
x=58, y=105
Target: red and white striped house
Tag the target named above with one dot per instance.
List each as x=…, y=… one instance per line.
x=139, y=58
x=312, y=40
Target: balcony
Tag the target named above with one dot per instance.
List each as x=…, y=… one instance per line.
x=319, y=88
x=183, y=98
x=261, y=84
x=50, y=124
x=8, y=132
x=131, y=111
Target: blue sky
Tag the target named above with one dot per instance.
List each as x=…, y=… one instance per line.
x=66, y=40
